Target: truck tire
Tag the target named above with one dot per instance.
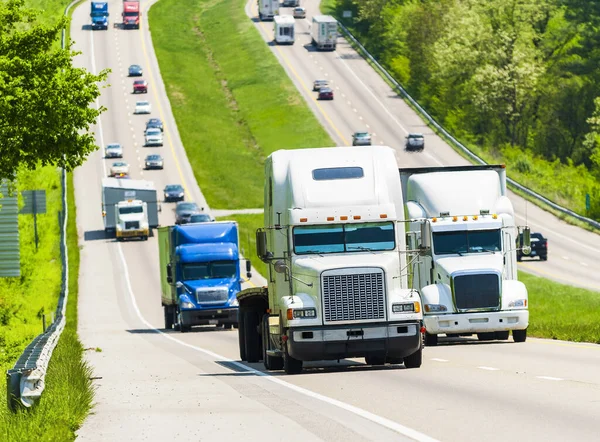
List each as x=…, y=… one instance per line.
x=271, y=362
x=414, y=360
x=227, y=326
x=375, y=360
x=251, y=337
x=182, y=327
x=241, y=337
x=291, y=365
x=487, y=336
x=169, y=320
x=501, y=335
x=431, y=340
x=519, y=335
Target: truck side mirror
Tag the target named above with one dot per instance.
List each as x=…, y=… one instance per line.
x=425, y=235
x=248, y=269
x=261, y=246
x=526, y=241
x=169, y=275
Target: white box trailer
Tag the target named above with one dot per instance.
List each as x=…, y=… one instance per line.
x=334, y=241
x=283, y=29
x=464, y=229
x=324, y=32
x=115, y=190
x=267, y=9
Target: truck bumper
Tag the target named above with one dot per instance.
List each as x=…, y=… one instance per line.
x=210, y=316
x=477, y=322
x=142, y=233
x=395, y=340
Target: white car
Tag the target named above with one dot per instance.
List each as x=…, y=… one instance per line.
x=153, y=137
x=142, y=107
x=299, y=12
x=113, y=150
x=119, y=168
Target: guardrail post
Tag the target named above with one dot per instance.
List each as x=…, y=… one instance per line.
x=13, y=389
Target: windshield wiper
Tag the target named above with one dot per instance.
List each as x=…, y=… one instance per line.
x=315, y=252
x=366, y=249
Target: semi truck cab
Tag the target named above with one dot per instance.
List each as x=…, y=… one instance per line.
x=132, y=220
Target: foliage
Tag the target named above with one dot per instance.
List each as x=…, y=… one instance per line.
x=45, y=101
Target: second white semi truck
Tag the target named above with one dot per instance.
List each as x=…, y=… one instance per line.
x=466, y=272
x=267, y=9
x=324, y=32
x=283, y=29
x=334, y=243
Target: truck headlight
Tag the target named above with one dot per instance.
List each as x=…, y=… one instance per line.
x=435, y=308
x=234, y=303
x=406, y=307
x=301, y=313
x=517, y=303
x=187, y=305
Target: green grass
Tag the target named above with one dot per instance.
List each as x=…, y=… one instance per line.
x=233, y=102
x=247, y=231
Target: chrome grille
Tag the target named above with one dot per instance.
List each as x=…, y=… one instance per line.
x=211, y=296
x=132, y=225
x=353, y=297
x=477, y=292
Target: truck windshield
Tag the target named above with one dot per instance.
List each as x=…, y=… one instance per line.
x=466, y=241
x=209, y=270
x=128, y=210
x=339, y=238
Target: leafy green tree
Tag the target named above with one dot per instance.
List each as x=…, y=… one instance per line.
x=45, y=102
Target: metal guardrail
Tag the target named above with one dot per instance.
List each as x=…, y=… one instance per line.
x=454, y=141
x=25, y=382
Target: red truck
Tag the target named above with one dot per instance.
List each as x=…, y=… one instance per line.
x=131, y=14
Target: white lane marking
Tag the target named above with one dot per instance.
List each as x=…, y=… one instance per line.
x=439, y=360
x=343, y=95
x=354, y=110
x=391, y=425
x=585, y=264
x=367, y=126
x=349, y=103
x=549, y=378
x=566, y=258
x=360, y=118
x=488, y=368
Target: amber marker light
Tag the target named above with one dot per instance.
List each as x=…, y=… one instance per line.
x=475, y=218
x=455, y=218
x=303, y=220
x=494, y=216
x=344, y=218
x=356, y=217
x=382, y=215
x=465, y=218
x=434, y=219
x=290, y=313
x=330, y=218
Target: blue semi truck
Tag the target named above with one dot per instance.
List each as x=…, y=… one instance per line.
x=99, y=15
x=200, y=274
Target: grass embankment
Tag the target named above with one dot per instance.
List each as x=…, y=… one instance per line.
x=248, y=225
x=233, y=102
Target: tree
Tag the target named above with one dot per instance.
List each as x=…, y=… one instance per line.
x=45, y=111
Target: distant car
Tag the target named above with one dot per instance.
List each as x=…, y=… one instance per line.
x=153, y=137
x=135, y=70
x=113, y=150
x=140, y=87
x=318, y=84
x=361, y=139
x=174, y=192
x=154, y=123
x=142, y=107
x=299, y=12
x=539, y=247
x=154, y=162
x=184, y=210
x=201, y=218
x=325, y=93
x=118, y=168
x=415, y=142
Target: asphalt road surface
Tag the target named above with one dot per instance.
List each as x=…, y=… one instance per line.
x=164, y=385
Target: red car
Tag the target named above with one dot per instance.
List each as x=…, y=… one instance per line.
x=325, y=93
x=140, y=87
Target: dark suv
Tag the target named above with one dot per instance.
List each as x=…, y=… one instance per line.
x=539, y=247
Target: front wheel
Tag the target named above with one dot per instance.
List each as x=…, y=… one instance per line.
x=271, y=362
x=431, y=340
x=251, y=337
x=169, y=319
x=519, y=335
x=290, y=364
x=415, y=360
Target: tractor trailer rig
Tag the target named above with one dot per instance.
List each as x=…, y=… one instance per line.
x=334, y=242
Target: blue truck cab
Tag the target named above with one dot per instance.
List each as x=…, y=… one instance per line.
x=200, y=274
x=99, y=15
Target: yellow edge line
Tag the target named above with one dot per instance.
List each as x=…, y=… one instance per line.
x=161, y=114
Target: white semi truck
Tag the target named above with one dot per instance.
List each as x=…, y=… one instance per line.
x=466, y=272
x=267, y=9
x=324, y=32
x=283, y=29
x=334, y=243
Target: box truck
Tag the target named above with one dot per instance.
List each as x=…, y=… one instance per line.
x=463, y=226
x=200, y=274
x=267, y=9
x=131, y=14
x=129, y=207
x=99, y=15
x=324, y=32
x=283, y=29
x=334, y=243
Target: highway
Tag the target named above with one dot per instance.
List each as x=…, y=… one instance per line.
x=153, y=384
x=363, y=101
